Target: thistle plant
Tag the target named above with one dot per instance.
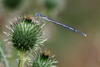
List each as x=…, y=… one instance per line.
x=43, y=59
x=26, y=35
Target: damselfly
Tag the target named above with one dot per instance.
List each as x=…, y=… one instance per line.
x=68, y=27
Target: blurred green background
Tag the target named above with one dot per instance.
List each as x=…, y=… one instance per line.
x=70, y=49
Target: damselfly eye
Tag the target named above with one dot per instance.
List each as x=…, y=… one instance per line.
x=37, y=14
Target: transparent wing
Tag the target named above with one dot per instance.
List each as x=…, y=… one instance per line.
x=59, y=24
x=64, y=26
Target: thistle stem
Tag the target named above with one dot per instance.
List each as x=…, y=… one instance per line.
x=28, y=55
x=21, y=56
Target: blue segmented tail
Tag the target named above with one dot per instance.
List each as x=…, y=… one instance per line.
x=46, y=18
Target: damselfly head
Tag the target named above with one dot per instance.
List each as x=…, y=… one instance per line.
x=37, y=14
